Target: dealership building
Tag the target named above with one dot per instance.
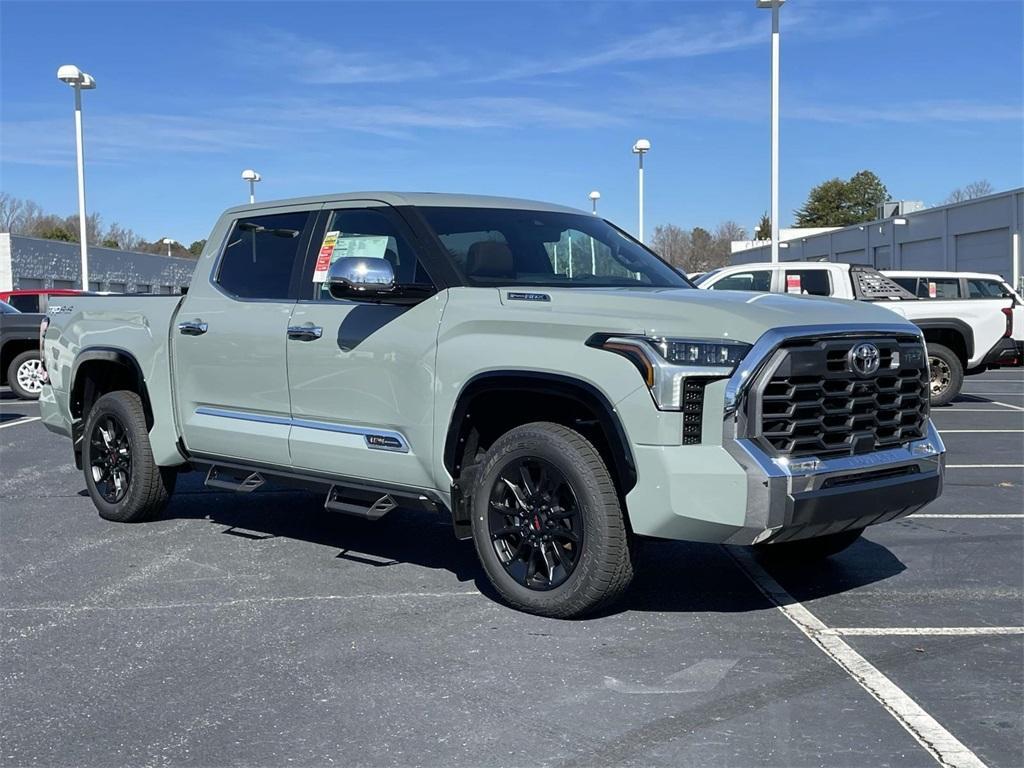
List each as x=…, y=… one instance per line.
x=31, y=262
x=979, y=235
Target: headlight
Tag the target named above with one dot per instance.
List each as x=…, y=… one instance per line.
x=666, y=364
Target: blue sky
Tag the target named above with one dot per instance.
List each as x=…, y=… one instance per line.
x=540, y=100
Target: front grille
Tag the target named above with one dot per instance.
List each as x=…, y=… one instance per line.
x=809, y=403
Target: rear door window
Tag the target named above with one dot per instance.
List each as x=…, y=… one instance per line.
x=758, y=280
x=939, y=288
x=263, y=256
x=809, y=282
x=25, y=302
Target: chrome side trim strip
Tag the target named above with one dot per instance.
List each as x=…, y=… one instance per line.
x=375, y=439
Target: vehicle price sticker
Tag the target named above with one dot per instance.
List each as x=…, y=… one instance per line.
x=337, y=246
x=323, y=261
x=793, y=284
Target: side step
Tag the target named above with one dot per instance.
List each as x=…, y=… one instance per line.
x=233, y=480
x=360, y=503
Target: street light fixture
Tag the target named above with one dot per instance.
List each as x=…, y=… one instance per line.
x=80, y=81
x=252, y=177
x=774, y=5
x=594, y=197
x=168, y=242
x=640, y=148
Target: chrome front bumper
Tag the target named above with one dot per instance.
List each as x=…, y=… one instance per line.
x=815, y=497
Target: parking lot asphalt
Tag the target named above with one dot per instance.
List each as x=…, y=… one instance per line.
x=260, y=630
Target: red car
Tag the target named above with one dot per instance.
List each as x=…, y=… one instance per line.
x=35, y=299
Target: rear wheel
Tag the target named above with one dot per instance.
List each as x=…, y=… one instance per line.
x=26, y=376
x=125, y=484
x=947, y=374
x=809, y=550
x=547, y=523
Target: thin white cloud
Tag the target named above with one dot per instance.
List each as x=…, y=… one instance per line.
x=316, y=62
x=940, y=111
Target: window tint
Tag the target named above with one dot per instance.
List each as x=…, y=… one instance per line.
x=261, y=254
x=986, y=289
x=507, y=246
x=371, y=233
x=29, y=303
x=7, y=309
x=759, y=280
x=809, y=282
x=907, y=283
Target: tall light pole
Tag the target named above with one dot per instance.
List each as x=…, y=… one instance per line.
x=594, y=197
x=80, y=81
x=168, y=242
x=640, y=148
x=252, y=177
x=774, y=5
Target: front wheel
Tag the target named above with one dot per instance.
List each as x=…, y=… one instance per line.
x=125, y=484
x=548, y=525
x=26, y=375
x=947, y=374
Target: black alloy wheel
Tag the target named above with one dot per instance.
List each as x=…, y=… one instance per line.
x=535, y=523
x=110, y=458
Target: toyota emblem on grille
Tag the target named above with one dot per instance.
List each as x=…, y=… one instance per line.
x=864, y=359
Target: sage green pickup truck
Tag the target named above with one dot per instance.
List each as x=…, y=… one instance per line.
x=530, y=370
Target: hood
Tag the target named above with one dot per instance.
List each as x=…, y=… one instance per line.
x=708, y=314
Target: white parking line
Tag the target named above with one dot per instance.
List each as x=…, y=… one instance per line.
x=985, y=466
x=967, y=410
x=952, y=631
x=976, y=431
x=984, y=515
x=16, y=422
x=1001, y=394
x=939, y=742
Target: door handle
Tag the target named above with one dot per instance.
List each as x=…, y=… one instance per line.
x=193, y=328
x=305, y=332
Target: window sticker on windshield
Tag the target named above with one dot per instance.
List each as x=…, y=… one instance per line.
x=324, y=260
x=793, y=284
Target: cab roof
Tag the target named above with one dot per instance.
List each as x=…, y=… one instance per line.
x=431, y=199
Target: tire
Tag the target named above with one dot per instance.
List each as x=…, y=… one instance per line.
x=808, y=550
x=947, y=374
x=125, y=487
x=24, y=375
x=568, y=528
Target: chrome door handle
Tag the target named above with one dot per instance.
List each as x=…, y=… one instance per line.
x=305, y=332
x=196, y=328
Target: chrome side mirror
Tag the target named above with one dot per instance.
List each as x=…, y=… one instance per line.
x=353, y=278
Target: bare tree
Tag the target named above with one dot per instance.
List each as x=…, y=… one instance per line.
x=975, y=189
x=673, y=244
x=11, y=210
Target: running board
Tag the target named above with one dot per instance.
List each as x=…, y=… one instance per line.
x=369, y=506
x=233, y=480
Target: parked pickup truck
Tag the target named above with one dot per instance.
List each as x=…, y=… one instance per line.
x=528, y=369
x=963, y=337
x=20, y=367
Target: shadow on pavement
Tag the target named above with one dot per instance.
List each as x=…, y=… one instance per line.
x=671, y=577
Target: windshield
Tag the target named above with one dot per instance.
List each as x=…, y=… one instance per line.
x=7, y=309
x=501, y=246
